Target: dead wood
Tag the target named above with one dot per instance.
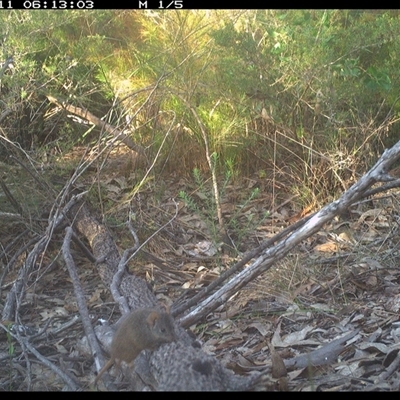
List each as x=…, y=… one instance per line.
x=181, y=365
x=26, y=345
x=17, y=292
x=80, y=298
x=324, y=355
x=270, y=255
x=86, y=114
x=16, y=295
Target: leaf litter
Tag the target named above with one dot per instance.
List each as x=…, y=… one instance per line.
x=329, y=311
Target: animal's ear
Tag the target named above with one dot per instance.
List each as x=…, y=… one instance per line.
x=152, y=318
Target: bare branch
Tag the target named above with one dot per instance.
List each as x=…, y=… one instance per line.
x=313, y=225
x=80, y=299
x=25, y=344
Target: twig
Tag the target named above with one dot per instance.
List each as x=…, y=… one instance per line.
x=83, y=248
x=80, y=299
x=41, y=183
x=156, y=232
x=10, y=197
x=25, y=343
x=238, y=266
x=210, y=164
x=16, y=294
x=16, y=255
x=117, y=278
x=393, y=367
x=179, y=309
x=313, y=225
x=65, y=326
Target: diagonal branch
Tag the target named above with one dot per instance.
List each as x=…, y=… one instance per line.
x=378, y=173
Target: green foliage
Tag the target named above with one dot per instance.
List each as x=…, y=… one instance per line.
x=377, y=80
x=304, y=74
x=203, y=204
x=236, y=225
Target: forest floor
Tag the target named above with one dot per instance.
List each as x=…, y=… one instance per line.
x=343, y=279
